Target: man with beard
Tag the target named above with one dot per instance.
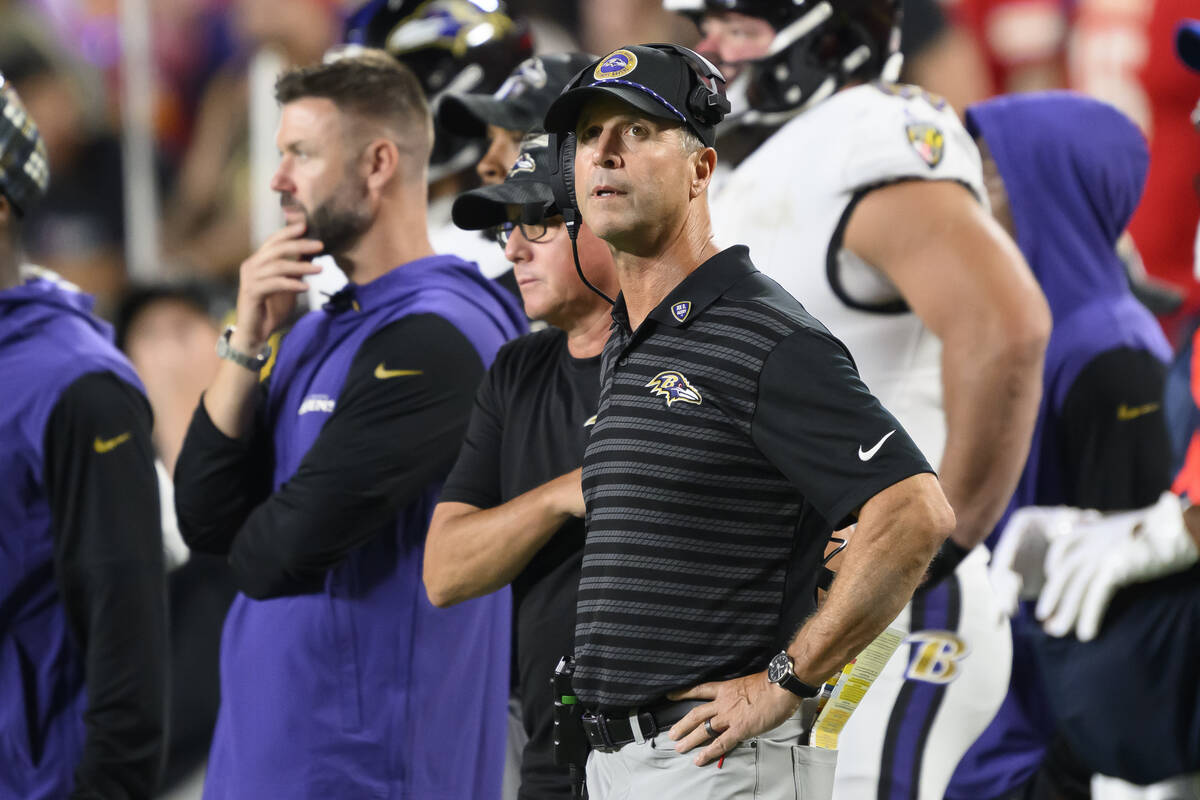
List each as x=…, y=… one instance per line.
x=315, y=470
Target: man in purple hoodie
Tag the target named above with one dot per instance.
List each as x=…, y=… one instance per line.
x=82, y=599
x=1064, y=174
x=315, y=469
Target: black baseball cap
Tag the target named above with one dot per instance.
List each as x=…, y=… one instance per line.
x=527, y=185
x=655, y=79
x=520, y=102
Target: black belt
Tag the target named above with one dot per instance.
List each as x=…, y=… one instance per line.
x=609, y=732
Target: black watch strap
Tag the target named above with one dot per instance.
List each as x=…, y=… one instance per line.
x=799, y=687
x=780, y=671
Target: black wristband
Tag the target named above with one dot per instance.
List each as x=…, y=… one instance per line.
x=945, y=561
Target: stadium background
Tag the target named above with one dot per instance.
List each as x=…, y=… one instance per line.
x=159, y=123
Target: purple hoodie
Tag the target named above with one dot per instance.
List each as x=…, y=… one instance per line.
x=1073, y=169
x=48, y=340
x=365, y=690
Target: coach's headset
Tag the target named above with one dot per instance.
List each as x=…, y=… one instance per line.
x=706, y=105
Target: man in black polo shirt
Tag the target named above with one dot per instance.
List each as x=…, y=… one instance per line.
x=511, y=509
x=733, y=434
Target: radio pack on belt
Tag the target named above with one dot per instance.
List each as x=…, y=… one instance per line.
x=570, y=744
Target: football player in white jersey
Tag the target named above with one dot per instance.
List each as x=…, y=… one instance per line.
x=865, y=200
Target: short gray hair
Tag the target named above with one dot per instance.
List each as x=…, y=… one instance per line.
x=689, y=141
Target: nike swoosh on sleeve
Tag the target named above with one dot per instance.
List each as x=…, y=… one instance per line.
x=383, y=373
x=104, y=445
x=1126, y=413
x=867, y=455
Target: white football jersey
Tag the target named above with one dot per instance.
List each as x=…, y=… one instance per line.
x=790, y=200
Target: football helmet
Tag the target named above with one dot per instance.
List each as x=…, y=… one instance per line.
x=451, y=45
x=819, y=46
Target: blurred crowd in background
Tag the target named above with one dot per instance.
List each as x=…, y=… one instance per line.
x=159, y=121
x=204, y=127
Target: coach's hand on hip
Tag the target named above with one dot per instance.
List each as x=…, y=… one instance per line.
x=741, y=708
x=270, y=281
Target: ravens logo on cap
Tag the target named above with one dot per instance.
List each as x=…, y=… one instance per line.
x=617, y=64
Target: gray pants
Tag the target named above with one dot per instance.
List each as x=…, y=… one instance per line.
x=772, y=767
x=515, y=751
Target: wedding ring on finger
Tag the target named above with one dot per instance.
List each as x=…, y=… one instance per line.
x=708, y=728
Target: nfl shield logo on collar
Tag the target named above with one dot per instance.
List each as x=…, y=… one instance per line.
x=681, y=310
x=927, y=140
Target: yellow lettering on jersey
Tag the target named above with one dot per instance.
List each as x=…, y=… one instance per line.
x=938, y=654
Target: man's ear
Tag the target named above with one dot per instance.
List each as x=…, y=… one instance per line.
x=703, y=163
x=382, y=161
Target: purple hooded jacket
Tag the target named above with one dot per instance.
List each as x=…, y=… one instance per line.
x=48, y=339
x=365, y=689
x=1073, y=169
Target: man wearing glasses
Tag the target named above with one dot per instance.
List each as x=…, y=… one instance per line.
x=511, y=510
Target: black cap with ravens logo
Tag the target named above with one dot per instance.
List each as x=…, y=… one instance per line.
x=664, y=81
x=527, y=185
x=520, y=102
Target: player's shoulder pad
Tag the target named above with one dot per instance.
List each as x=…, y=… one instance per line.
x=898, y=131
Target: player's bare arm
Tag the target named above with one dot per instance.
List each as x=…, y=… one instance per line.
x=966, y=280
x=470, y=552
x=898, y=532
x=270, y=281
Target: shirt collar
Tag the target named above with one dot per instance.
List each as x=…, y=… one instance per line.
x=703, y=286
x=620, y=314
x=390, y=286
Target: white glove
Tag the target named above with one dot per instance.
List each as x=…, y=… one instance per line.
x=1086, y=565
x=1017, y=571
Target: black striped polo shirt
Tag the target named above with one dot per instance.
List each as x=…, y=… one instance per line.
x=733, y=435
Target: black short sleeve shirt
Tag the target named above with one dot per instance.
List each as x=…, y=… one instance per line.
x=530, y=423
x=733, y=434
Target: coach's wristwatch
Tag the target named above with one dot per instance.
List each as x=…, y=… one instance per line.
x=253, y=363
x=779, y=671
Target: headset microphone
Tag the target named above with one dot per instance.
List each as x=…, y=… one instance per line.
x=562, y=181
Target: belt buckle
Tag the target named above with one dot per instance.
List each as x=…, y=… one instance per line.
x=596, y=728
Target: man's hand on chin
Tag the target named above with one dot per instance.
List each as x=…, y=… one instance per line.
x=740, y=709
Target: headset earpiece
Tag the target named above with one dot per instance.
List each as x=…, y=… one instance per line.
x=567, y=158
x=709, y=107
x=707, y=100
x=562, y=179
x=562, y=183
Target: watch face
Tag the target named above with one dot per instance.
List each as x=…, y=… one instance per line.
x=779, y=667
